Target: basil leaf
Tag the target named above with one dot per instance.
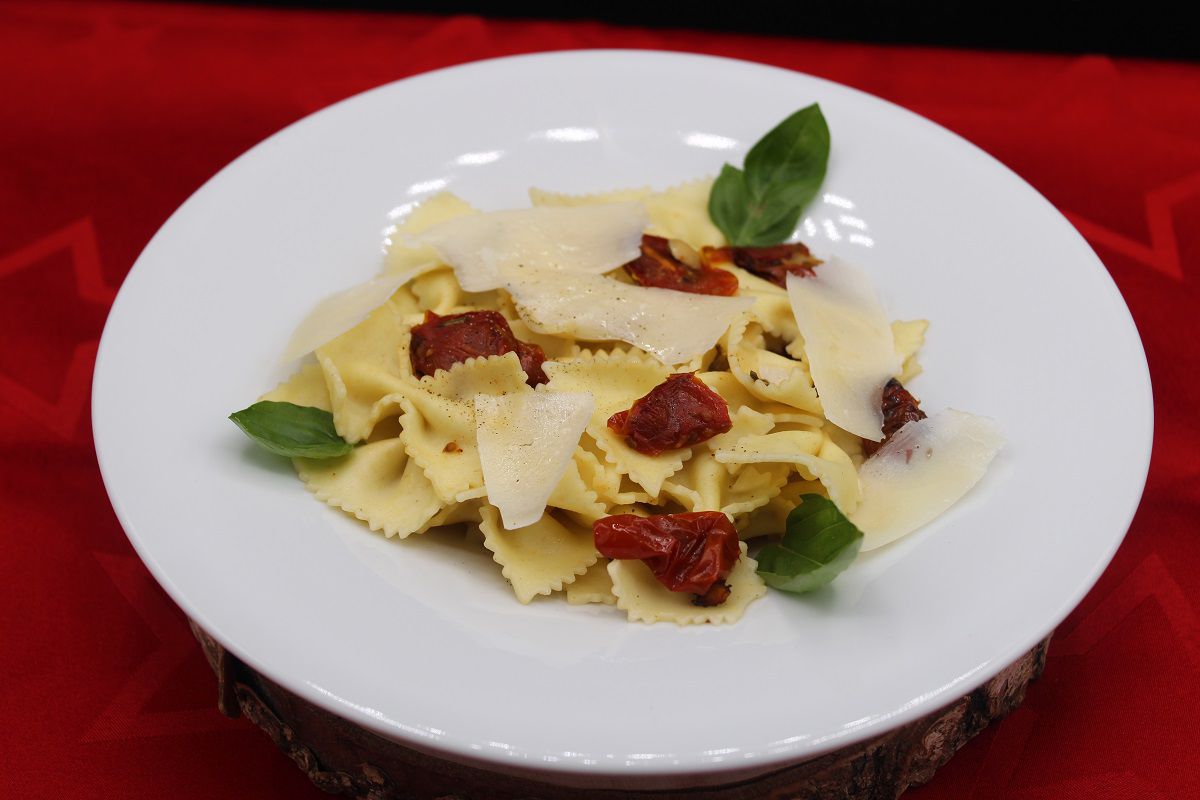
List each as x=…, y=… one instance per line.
x=789, y=162
x=761, y=205
x=292, y=430
x=818, y=545
x=729, y=201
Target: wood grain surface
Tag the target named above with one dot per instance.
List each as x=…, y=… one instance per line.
x=342, y=758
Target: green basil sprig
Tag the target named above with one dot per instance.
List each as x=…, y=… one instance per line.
x=760, y=206
x=818, y=545
x=292, y=430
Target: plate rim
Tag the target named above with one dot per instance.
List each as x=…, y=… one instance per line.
x=708, y=772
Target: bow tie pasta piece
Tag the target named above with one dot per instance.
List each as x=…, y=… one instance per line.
x=681, y=212
x=705, y=484
x=737, y=396
x=356, y=384
x=644, y=599
x=745, y=422
x=575, y=495
x=456, y=514
x=700, y=484
x=649, y=472
x=360, y=381
x=617, y=380
x=438, y=291
x=376, y=482
x=772, y=309
x=438, y=421
x=491, y=375
x=305, y=388
x=363, y=366
x=848, y=443
x=612, y=487
x=540, y=558
x=753, y=486
x=593, y=586
x=554, y=347
x=770, y=519
x=767, y=375
x=813, y=453
x=591, y=349
x=589, y=461
x=439, y=435
x=699, y=362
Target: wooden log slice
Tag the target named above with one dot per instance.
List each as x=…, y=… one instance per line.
x=343, y=758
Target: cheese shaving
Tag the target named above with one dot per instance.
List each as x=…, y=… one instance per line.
x=484, y=248
x=335, y=315
x=922, y=470
x=526, y=441
x=673, y=326
x=848, y=342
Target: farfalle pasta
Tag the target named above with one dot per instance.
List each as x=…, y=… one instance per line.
x=418, y=462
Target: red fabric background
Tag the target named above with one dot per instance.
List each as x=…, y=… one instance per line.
x=111, y=115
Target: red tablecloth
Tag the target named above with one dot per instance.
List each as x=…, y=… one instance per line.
x=111, y=115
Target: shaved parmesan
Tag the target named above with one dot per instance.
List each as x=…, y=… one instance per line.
x=526, y=441
x=483, y=249
x=848, y=342
x=552, y=261
x=674, y=326
x=922, y=471
x=335, y=315
x=442, y=207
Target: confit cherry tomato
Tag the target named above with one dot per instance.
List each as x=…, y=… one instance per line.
x=686, y=552
x=441, y=342
x=657, y=266
x=769, y=263
x=679, y=412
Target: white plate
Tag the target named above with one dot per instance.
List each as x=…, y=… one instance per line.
x=423, y=641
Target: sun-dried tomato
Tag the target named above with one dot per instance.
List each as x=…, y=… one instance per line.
x=441, y=342
x=532, y=357
x=769, y=263
x=679, y=412
x=657, y=266
x=717, y=594
x=899, y=409
x=686, y=552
